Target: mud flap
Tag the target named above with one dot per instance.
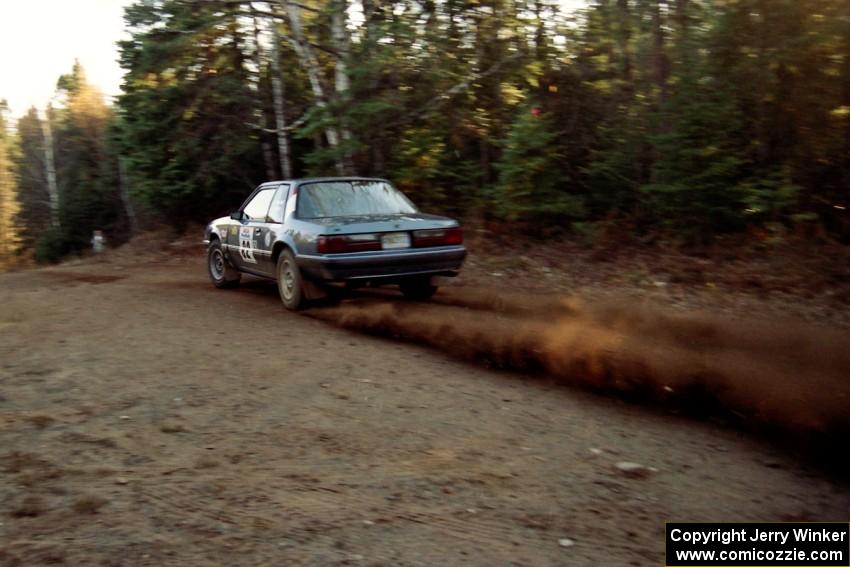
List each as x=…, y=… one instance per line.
x=312, y=290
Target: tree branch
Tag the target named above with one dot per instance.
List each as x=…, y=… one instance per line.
x=294, y=126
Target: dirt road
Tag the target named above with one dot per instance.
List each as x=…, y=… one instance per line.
x=149, y=419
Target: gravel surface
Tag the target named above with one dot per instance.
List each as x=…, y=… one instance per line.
x=149, y=419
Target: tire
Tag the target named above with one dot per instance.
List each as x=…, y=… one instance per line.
x=420, y=289
x=222, y=274
x=290, y=284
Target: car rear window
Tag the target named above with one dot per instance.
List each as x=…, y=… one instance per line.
x=351, y=198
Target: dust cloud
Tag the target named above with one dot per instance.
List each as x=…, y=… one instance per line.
x=776, y=373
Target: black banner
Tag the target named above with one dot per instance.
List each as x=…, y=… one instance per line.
x=806, y=544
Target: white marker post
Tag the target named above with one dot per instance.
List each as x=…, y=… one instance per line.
x=97, y=241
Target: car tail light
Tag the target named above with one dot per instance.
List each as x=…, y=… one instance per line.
x=438, y=237
x=338, y=244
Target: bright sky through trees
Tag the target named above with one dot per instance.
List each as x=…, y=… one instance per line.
x=40, y=40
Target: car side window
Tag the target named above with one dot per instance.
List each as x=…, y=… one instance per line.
x=291, y=204
x=257, y=209
x=276, y=210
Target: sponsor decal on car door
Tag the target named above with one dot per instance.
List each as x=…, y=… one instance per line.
x=249, y=241
x=247, y=244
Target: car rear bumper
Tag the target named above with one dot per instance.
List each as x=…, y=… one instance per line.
x=385, y=264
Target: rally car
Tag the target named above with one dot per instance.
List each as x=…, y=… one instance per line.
x=308, y=232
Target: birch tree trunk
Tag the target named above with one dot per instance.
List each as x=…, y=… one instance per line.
x=311, y=65
x=342, y=85
x=258, y=61
x=278, y=93
x=340, y=39
x=624, y=37
x=660, y=62
x=7, y=210
x=125, y=196
x=50, y=168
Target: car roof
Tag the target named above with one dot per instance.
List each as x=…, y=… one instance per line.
x=304, y=180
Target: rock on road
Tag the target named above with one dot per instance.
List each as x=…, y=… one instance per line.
x=149, y=419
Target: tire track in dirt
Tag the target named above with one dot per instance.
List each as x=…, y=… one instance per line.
x=311, y=516
x=308, y=510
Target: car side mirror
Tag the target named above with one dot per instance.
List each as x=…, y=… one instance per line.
x=236, y=216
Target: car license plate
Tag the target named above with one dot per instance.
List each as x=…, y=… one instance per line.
x=393, y=240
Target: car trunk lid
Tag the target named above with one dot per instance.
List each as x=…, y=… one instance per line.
x=383, y=223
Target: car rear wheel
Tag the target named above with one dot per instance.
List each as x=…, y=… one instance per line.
x=419, y=288
x=289, y=281
x=222, y=274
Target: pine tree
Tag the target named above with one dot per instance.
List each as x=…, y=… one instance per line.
x=8, y=192
x=187, y=109
x=34, y=215
x=530, y=187
x=87, y=171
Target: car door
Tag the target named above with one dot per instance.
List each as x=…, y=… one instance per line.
x=273, y=228
x=254, y=255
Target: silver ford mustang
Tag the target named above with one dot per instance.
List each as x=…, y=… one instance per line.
x=305, y=233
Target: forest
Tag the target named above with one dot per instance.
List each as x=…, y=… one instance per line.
x=679, y=120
